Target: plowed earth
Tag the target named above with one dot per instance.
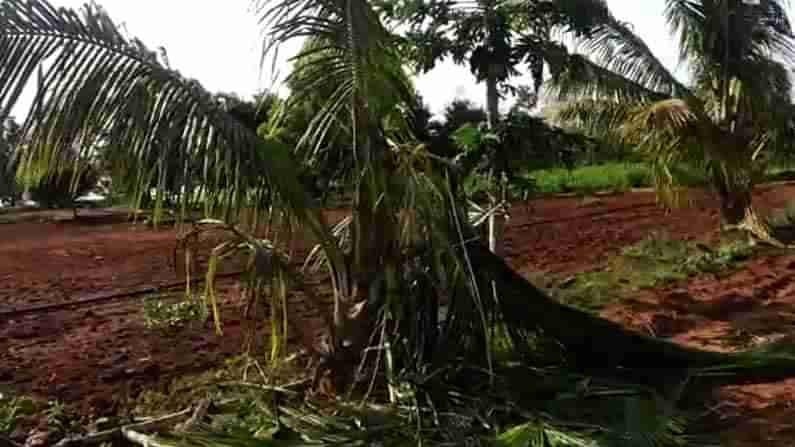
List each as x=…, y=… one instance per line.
x=95, y=354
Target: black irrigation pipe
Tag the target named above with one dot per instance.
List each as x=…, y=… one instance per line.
x=137, y=293
x=103, y=298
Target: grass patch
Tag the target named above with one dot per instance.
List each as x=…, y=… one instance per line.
x=163, y=313
x=615, y=176
x=19, y=412
x=624, y=176
x=651, y=263
x=591, y=179
x=14, y=409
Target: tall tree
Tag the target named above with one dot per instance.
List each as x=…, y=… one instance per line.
x=10, y=135
x=734, y=113
x=495, y=38
x=401, y=239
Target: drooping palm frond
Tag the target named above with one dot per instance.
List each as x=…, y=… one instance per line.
x=99, y=86
x=579, y=77
x=597, y=118
x=614, y=46
x=673, y=115
x=671, y=133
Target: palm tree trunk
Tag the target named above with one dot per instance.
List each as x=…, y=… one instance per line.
x=600, y=346
x=737, y=210
x=735, y=203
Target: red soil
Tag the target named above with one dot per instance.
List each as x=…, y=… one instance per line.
x=752, y=306
x=93, y=355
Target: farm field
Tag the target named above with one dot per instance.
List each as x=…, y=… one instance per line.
x=96, y=355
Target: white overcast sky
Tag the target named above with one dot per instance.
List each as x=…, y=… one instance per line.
x=218, y=42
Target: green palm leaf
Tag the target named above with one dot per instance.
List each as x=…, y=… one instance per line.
x=98, y=86
x=582, y=78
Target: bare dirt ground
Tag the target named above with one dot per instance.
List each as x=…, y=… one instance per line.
x=752, y=306
x=94, y=355
x=97, y=354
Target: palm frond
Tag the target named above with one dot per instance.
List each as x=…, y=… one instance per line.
x=614, y=46
x=596, y=118
x=536, y=434
x=730, y=34
x=347, y=57
x=580, y=78
x=673, y=115
x=99, y=86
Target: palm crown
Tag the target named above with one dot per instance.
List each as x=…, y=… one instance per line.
x=734, y=111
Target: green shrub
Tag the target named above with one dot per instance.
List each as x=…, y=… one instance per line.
x=160, y=314
x=591, y=179
x=59, y=191
x=615, y=176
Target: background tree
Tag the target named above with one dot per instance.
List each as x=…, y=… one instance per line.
x=494, y=38
x=735, y=113
x=63, y=189
x=10, y=135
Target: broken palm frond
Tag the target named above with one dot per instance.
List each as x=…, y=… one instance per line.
x=98, y=88
x=136, y=429
x=341, y=232
x=266, y=278
x=458, y=407
x=479, y=215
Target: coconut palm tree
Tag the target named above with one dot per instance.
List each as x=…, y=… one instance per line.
x=733, y=112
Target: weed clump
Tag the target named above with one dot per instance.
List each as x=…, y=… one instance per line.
x=166, y=315
x=654, y=262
